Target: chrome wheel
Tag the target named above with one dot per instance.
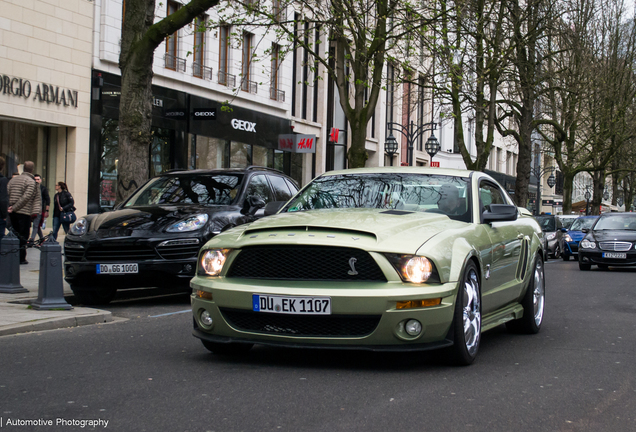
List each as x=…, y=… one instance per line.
x=538, y=293
x=472, y=312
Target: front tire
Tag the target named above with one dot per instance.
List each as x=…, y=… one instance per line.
x=584, y=267
x=565, y=257
x=467, y=318
x=95, y=296
x=557, y=252
x=533, y=303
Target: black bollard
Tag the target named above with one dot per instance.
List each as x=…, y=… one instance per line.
x=10, y=265
x=51, y=284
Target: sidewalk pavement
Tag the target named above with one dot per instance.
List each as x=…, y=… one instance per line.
x=16, y=316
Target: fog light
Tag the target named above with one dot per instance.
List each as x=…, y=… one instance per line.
x=413, y=327
x=205, y=318
x=187, y=268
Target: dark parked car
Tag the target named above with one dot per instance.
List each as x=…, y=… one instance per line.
x=572, y=236
x=153, y=238
x=551, y=226
x=610, y=242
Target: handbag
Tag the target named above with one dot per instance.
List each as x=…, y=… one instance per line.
x=66, y=216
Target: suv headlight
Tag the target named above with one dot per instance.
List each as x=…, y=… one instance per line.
x=79, y=227
x=586, y=244
x=414, y=268
x=551, y=236
x=212, y=261
x=191, y=224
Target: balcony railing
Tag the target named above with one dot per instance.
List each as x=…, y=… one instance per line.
x=200, y=71
x=277, y=95
x=227, y=79
x=175, y=63
x=249, y=86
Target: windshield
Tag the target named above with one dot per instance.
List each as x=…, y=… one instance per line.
x=410, y=192
x=627, y=222
x=211, y=189
x=566, y=222
x=582, y=223
x=547, y=223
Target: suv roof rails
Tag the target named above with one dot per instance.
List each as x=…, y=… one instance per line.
x=257, y=167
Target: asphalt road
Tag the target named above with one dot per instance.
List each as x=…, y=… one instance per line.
x=145, y=372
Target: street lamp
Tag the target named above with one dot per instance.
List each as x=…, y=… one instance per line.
x=538, y=173
x=619, y=201
x=412, y=133
x=606, y=195
x=390, y=147
x=588, y=195
x=432, y=146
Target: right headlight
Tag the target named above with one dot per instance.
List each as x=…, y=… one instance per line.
x=586, y=244
x=212, y=261
x=567, y=238
x=79, y=227
x=414, y=268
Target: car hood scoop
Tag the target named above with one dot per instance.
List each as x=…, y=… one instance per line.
x=377, y=229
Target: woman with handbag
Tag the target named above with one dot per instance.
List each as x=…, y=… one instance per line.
x=64, y=209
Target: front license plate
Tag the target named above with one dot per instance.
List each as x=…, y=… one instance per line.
x=117, y=268
x=614, y=255
x=291, y=304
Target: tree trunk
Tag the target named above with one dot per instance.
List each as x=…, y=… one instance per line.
x=568, y=180
x=598, y=179
x=357, y=155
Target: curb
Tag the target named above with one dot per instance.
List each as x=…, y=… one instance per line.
x=101, y=316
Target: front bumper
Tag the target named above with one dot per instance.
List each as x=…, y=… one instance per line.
x=571, y=248
x=158, y=273
x=595, y=256
x=371, y=305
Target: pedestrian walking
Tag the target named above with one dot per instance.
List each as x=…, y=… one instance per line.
x=46, y=202
x=24, y=205
x=4, y=199
x=62, y=202
x=15, y=174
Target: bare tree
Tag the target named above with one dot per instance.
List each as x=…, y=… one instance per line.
x=140, y=37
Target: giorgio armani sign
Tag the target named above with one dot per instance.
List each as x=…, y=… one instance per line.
x=45, y=93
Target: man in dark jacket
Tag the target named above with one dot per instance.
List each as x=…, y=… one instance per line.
x=4, y=199
x=24, y=205
x=46, y=202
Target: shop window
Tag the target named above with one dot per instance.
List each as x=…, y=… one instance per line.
x=210, y=153
x=262, y=156
x=160, y=152
x=240, y=155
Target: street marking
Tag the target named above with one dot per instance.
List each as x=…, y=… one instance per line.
x=171, y=313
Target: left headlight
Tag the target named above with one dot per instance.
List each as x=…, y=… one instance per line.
x=212, y=261
x=191, y=224
x=79, y=227
x=567, y=238
x=413, y=268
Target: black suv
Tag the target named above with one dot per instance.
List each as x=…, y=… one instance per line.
x=153, y=238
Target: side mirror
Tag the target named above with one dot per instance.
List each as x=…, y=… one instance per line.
x=273, y=207
x=564, y=230
x=585, y=230
x=499, y=213
x=252, y=204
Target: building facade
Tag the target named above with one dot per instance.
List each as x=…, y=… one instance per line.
x=45, y=69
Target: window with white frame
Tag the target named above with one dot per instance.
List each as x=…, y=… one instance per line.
x=198, y=66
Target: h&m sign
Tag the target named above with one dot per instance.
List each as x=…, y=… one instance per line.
x=42, y=92
x=297, y=143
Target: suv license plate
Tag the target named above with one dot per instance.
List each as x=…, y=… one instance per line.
x=291, y=304
x=117, y=268
x=614, y=255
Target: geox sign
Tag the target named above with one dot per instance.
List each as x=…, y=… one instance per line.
x=204, y=114
x=41, y=92
x=244, y=125
x=297, y=143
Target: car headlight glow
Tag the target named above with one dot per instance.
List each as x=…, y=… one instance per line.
x=413, y=268
x=79, y=227
x=567, y=238
x=586, y=244
x=551, y=236
x=191, y=224
x=212, y=261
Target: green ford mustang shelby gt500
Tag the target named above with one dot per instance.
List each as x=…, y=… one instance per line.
x=393, y=258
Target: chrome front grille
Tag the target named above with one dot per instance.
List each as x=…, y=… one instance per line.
x=616, y=246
